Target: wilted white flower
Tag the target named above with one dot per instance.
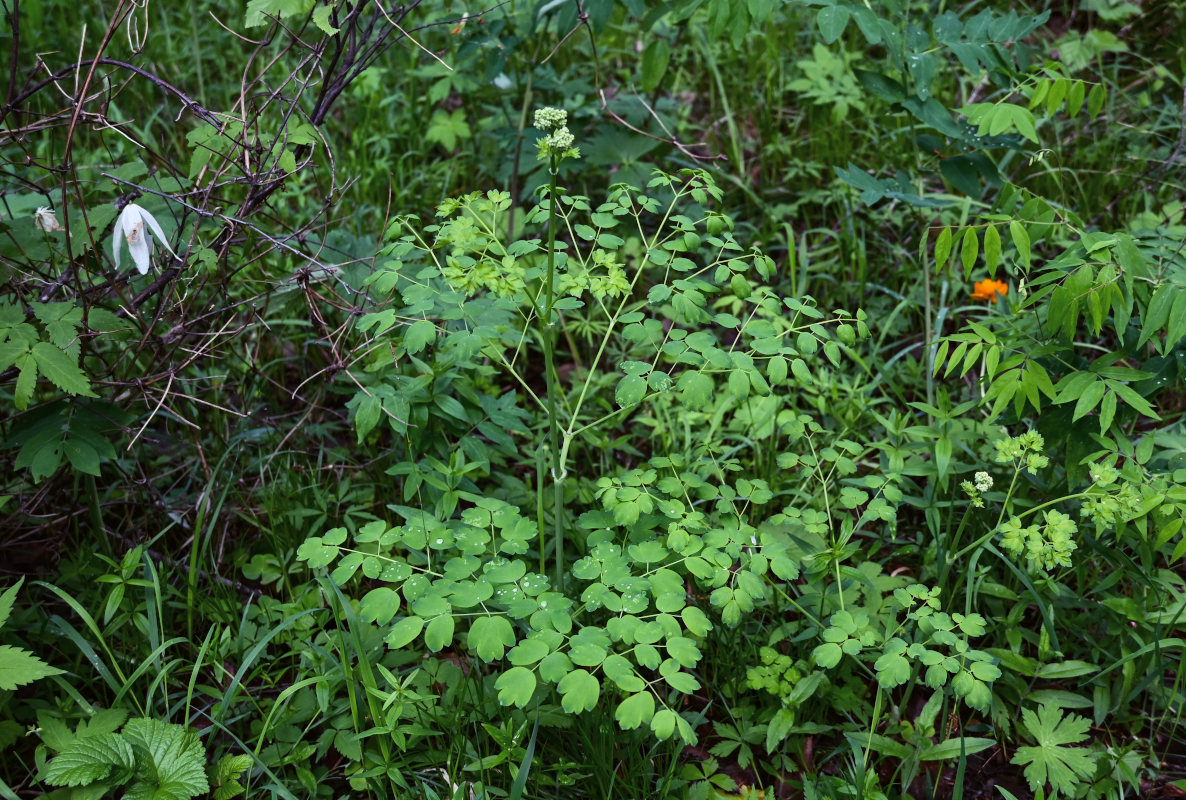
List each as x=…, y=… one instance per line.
x=133, y=225
x=45, y=220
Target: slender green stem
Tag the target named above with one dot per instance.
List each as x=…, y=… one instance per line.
x=548, y=340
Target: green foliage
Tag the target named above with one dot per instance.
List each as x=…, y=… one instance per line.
x=18, y=667
x=1052, y=761
x=568, y=487
x=149, y=758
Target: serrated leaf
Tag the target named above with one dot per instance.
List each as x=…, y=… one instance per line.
x=1051, y=761
x=7, y=599
x=18, y=667
x=90, y=759
x=321, y=16
x=62, y=369
x=176, y=756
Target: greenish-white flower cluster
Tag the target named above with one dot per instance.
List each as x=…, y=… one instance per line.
x=980, y=484
x=558, y=142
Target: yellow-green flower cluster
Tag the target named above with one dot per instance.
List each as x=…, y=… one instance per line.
x=558, y=141
x=604, y=278
x=1048, y=545
x=1110, y=500
x=1024, y=451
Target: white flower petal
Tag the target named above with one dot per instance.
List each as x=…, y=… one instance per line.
x=116, y=235
x=156, y=228
x=140, y=246
x=133, y=226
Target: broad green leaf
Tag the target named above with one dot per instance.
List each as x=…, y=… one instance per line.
x=438, y=634
x=490, y=636
x=631, y=390
x=555, y=666
x=177, y=757
x=317, y=552
x=992, y=250
x=635, y=710
x=1021, y=241
x=404, y=631
x=1052, y=761
x=90, y=759
x=578, y=691
x=942, y=249
x=893, y=669
x=696, y=621
x=654, y=63
x=969, y=249
x=832, y=20
x=621, y=671
x=420, y=334
x=515, y=686
x=827, y=655
x=528, y=652
x=695, y=390
x=663, y=723
x=684, y=651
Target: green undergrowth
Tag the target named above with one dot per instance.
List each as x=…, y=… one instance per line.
x=562, y=400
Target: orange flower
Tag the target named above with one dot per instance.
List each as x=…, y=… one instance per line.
x=988, y=290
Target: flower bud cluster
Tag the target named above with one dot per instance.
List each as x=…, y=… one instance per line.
x=558, y=141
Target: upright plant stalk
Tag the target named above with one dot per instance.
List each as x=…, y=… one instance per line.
x=548, y=338
x=556, y=145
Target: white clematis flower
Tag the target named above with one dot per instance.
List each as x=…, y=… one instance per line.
x=133, y=225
